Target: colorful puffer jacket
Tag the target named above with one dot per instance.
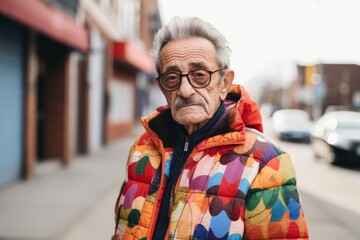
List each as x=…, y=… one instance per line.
x=234, y=185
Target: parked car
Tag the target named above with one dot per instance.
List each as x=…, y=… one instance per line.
x=292, y=125
x=333, y=108
x=336, y=137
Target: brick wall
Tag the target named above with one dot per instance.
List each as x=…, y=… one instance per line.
x=83, y=101
x=57, y=102
x=57, y=125
x=342, y=81
x=30, y=108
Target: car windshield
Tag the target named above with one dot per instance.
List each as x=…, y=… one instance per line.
x=292, y=115
x=342, y=120
x=348, y=124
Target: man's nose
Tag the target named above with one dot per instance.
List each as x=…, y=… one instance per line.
x=185, y=89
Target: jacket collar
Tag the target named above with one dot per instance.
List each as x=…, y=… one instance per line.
x=229, y=129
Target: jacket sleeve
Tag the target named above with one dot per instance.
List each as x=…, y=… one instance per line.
x=116, y=236
x=273, y=208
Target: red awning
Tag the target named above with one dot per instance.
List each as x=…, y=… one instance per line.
x=48, y=20
x=126, y=52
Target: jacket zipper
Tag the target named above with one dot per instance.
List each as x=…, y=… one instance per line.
x=186, y=144
x=183, y=158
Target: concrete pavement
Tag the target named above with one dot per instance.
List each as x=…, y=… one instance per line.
x=58, y=199
x=77, y=202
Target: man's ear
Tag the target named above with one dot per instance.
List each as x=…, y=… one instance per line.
x=227, y=81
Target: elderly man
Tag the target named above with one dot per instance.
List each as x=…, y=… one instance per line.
x=203, y=169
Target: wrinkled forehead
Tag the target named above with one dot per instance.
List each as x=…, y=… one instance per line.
x=188, y=53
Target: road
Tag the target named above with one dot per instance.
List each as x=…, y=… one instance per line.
x=335, y=190
x=330, y=197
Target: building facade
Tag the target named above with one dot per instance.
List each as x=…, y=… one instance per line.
x=322, y=85
x=69, y=73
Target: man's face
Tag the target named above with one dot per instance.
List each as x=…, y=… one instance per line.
x=193, y=106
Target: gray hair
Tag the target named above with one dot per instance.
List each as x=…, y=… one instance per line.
x=183, y=27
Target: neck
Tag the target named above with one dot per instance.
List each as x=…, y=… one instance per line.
x=190, y=129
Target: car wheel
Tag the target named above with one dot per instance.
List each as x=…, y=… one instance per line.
x=282, y=138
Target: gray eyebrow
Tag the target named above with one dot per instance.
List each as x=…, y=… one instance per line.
x=198, y=65
x=194, y=65
x=172, y=68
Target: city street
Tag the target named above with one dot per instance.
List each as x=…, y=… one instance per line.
x=78, y=202
x=76, y=77
x=330, y=194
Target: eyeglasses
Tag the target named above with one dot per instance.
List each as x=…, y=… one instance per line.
x=200, y=78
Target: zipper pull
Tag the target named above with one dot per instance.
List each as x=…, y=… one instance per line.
x=186, y=145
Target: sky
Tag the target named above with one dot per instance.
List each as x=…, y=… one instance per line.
x=269, y=37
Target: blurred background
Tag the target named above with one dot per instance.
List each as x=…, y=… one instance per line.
x=76, y=76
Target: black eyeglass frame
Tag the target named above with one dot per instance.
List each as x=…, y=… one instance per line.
x=181, y=75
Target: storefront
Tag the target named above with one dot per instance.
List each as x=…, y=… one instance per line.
x=12, y=70
x=36, y=78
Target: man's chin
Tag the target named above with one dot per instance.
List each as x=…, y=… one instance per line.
x=190, y=119
x=190, y=115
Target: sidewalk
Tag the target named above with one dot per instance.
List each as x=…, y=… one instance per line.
x=52, y=204
x=77, y=203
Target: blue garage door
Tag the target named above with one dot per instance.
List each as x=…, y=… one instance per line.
x=11, y=101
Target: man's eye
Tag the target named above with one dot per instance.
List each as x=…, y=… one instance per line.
x=199, y=74
x=171, y=77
